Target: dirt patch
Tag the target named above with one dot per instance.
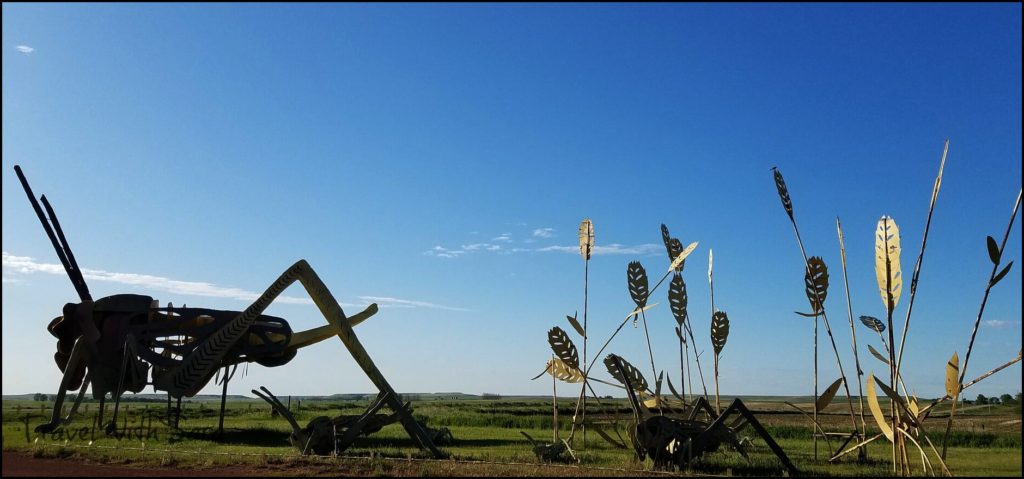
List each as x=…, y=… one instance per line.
x=24, y=465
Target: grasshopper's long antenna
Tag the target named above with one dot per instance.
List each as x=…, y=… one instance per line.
x=62, y=249
x=84, y=291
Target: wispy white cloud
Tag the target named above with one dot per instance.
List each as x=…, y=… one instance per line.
x=1001, y=324
x=26, y=265
x=614, y=248
x=25, y=49
x=442, y=252
x=543, y=232
x=506, y=237
x=386, y=302
x=611, y=249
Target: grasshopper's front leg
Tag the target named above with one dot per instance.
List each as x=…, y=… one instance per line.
x=79, y=353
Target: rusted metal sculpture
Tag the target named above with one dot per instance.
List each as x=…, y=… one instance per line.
x=325, y=436
x=671, y=441
x=113, y=342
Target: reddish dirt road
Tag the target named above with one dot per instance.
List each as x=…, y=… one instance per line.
x=23, y=465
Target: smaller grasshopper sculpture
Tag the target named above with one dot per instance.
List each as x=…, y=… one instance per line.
x=113, y=342
x=672, y=441
x=325, y=436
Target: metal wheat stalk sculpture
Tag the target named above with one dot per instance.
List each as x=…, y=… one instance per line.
x=920, y=257
x=633, y=314
x=636, y=279
x=719, y=334
x=678, y=301
x=586, y=236
x=787, y=204
x=853, y=335
x=890, y=286
x=995, y=254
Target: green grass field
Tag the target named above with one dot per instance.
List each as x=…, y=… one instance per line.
x=986, y=441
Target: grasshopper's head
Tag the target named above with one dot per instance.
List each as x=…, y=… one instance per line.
x=68, y=329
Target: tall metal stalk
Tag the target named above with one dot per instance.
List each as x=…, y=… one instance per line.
x=853, y=333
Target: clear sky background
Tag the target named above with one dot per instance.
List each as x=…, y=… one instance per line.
x=438, y=159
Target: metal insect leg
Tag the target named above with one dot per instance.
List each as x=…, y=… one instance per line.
x=199, y=365
x=78, y=400
x=79, y=356
x=738, y=407
x=126, y=368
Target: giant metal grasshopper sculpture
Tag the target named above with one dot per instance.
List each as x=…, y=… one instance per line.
x=111, y=343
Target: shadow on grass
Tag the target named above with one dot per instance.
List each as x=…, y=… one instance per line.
x=249, y=437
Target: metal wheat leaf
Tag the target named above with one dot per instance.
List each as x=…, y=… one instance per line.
x=674, y=392
x=563, y=347
x=873, y=323
x=826, y=397
x=993, y=250
x=675, y=248
x=780, y=184
x=604, y=435
x=636, y=278
x=576, y=325
x=677, y=298
x=672, y=245
x=876, y=410
x=679, y=332
x=908, y=416
x=887, y=262
x=586, y=238
x=875, y=353
x=999, y=276
x=677, y=264
x=637, y=311
x=816, y=283
x=635, y=378
x=719, y=331
x=561, y=371
x=657, y=385
x=953, y=376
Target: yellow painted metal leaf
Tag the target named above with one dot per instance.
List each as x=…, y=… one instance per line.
x=876, y=410
x=640, y=310
x=682, y=256
x=887, y=262
x=953, y=376
x=826, y=397
x=563, y=372
x=586, y=238
x=915, y=409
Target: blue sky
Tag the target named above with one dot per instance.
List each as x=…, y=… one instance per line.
x=438, y=159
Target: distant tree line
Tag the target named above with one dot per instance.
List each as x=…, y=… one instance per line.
x=1003, y=399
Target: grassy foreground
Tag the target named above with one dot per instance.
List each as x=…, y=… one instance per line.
x=987, y=441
